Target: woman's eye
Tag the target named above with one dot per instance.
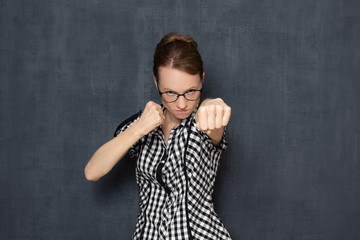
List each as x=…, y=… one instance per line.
x=191, y=91
x=170, y=93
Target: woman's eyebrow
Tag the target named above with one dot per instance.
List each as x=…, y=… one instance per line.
x=168, y=89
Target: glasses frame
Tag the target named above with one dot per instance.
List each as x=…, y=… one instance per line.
x=178, y=95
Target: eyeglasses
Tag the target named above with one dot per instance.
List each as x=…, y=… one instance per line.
x=170, y=96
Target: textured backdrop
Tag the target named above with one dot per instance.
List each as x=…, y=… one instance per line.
x=71, y=71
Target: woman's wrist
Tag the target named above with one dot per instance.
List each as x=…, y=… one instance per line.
x=136, y=130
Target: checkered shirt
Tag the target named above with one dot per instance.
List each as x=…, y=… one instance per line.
x=176, y=182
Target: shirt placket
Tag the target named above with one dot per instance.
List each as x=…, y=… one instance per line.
x=165, y=218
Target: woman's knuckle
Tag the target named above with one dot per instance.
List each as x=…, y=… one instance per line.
x=211, y=108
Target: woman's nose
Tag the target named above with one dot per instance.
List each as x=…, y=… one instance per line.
x=181, y=102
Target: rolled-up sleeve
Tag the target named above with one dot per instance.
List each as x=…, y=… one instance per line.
x=222, y=146
x=135, y=148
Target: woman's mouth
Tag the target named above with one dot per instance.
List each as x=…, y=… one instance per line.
x=181, y=111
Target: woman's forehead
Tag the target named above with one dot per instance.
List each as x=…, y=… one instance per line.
x=175, y=79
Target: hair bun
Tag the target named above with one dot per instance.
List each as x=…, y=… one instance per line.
x=174, y=37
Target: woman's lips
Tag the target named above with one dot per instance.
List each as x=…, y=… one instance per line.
x=181, y=111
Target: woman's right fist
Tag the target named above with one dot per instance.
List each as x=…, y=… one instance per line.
x=151, y=117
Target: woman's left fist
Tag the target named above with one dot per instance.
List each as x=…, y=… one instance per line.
x=212, y=114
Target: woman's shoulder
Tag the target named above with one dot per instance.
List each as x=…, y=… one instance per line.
x=127, y=122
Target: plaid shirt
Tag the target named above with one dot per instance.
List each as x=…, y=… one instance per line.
x=176, y=182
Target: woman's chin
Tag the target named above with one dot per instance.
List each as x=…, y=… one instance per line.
x=182, y=115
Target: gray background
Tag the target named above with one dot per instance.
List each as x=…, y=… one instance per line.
x=71, y=71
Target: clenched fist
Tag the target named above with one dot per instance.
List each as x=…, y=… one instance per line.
x=151, y=117
x=213, y=114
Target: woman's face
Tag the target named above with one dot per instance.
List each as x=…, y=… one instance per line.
x=177, y=81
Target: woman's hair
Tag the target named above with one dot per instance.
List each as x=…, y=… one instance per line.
x=180, y=52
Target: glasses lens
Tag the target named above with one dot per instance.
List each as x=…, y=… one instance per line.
x=169, y=97
x=192, y=95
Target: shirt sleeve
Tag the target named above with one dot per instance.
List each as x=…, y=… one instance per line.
x=211, y=153
x=135, y=148
x=222, y=146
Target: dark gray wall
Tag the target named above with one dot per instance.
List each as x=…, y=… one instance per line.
x=71, y=71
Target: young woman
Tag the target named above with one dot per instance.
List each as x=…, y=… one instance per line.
x=177, y=146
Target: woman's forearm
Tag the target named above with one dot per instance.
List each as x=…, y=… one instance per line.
x=106, y=157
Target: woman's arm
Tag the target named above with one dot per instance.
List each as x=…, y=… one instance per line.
x=211, y=117
x=105, y=158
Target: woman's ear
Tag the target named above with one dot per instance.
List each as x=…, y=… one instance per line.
x=155, y=82
x=203, y=77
